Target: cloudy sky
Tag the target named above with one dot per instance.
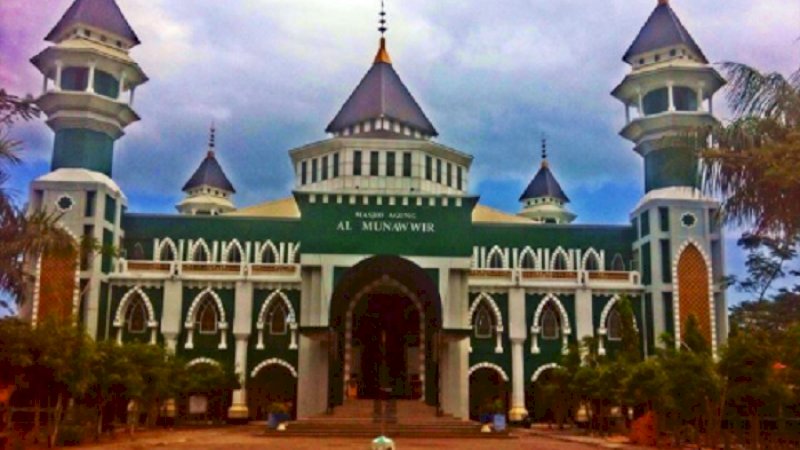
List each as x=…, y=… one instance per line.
x=492, y=77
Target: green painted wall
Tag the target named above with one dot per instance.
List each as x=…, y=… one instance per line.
x=483, y=349
x=670, y=167
x=81, y=148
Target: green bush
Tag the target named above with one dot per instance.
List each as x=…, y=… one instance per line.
x=71, y=435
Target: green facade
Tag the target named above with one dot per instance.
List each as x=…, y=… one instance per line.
x=84, y=149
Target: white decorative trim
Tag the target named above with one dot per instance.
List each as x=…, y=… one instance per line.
x=291, y=320
x=498, y=317
x=202, y=360
x=602, y=329
x=591, y=252
x=676, y=293
x=542, y=369
x=488, y=365
x=273, y=362
x=268, y=246
x=119, y=319
x=566, y=330
x=193, y=249
x=226, y=249
x=537, y=265
x=560, y=251
x=496, y=250
x=160, y=248
x=222, y=325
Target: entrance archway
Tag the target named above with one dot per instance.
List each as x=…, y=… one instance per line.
x=385, y=314
x=488, y=389
x=272, y=383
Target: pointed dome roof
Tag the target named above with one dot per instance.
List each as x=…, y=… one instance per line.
x=662, y=29
x=382, y=94
x=210, y=174
x=102, y=14
x=544, y=184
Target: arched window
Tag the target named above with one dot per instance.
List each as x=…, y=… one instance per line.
x=618, y=264
x=527, y=261
x=136, y=316
x=560, y=262
x=495, y=260
x=138, y=252
x=200, y=254
x=483, y=323
x=550, y=326
x=592, y=264
x=206, y=318
x=234, y=255
x=269, y=255
x=277, y=318
x=614, y=325
x=685, y=98
x=656, y=101
x=166, y=253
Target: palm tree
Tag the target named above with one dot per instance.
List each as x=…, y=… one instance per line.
x=22, y=235
x=755, y=167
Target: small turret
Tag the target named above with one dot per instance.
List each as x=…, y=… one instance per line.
x=543, y=200
x=208, y=191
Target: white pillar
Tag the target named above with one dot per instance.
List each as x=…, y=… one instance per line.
x=238, y=409
x=640, y=99
x=44, y=85
x=671, y=96
x=90, y=82
x=700, y=97
x=711, y=105
x=627, y=113
x=518, y=412
x=121, y=85
x=133, y=91
x=172, y=342
x=59, y=67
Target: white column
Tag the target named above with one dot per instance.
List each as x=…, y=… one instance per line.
x=671, y=96
x=90, y=82
x=172, y=342
x=640, y=99
x=518, y=412
x=627, y=113
x=44, y=85
x=59, y=67
x=238, y=409
x=700, y=97
x=711, y=105
x=133, y=91
x=121, y=85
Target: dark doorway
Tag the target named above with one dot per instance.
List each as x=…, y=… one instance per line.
x=488, y=393
x=386, y=336
x=272, y=385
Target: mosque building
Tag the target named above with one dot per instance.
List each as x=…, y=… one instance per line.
x=379, y=272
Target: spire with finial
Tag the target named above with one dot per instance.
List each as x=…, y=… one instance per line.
x=383, y=55
x=544, y=152
x=212, y=140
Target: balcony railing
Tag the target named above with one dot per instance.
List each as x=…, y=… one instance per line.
x=532, y=276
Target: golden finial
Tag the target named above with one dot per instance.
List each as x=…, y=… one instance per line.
x=383, y=55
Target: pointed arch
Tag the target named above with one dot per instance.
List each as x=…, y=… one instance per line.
x=202, y=360
x=166, y=250
x=138, y=252
x=693, y=284
x=273, y=362
x=536, y=327
x=488, y=365
x=194, y=309
x=484, y=297
x=268, y=254
x=291, y=318
x=135, y=294
x=542, y=369
x=592, y=261
x=233, y=252
x=528, y=259
x=199, y=251
x=559, y=260
x=618, y=263
x=495, y=259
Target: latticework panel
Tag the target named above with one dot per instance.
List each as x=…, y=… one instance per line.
x=56, y=286
x=693, y=291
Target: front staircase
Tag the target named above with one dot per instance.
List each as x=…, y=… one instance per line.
x=413, y=419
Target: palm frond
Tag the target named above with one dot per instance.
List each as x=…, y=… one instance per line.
x=752, y=93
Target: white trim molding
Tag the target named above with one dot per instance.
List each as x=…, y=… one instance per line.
x=222, y=324
x=676, y=293
x=291, y=319
x=566, y=330
x=273, y=362
x=202, y=360
x=488, y=365
x=498, y=317
x=542, y=369
x=122, y=309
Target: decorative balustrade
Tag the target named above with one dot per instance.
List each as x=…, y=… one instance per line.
x=532, y=276
x=124, y=266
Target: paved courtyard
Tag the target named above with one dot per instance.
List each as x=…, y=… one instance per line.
x=243, y=438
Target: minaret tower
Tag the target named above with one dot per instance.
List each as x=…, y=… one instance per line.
x=678, y=239
x=208, y=191
x=87, y=94
x=544, y=200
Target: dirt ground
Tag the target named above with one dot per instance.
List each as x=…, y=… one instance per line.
x=245, y=438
